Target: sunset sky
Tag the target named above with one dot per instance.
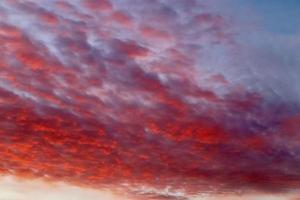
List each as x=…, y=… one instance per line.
x=149, y=100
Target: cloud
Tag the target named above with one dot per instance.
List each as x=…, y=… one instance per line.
x=97, y=5
x=121, y=18
x=152, y=33
x=141, y=95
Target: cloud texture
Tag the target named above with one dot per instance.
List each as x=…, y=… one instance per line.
x=160, y=99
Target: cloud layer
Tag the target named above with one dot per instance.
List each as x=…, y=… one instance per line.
x=154, y=98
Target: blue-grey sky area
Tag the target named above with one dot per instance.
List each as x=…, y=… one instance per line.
x=279, y=16
x=269, y=36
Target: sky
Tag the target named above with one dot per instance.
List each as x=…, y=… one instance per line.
x=149, y=99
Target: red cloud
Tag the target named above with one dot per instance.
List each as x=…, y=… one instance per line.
x=83, y=107
x=121, y=18
x=9, y=31
x=130, y=49
x=31, y=60
x=49, y=18
x=101, y=5
x=153, y=33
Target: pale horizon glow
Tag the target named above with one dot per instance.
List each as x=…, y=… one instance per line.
x=13, y=188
